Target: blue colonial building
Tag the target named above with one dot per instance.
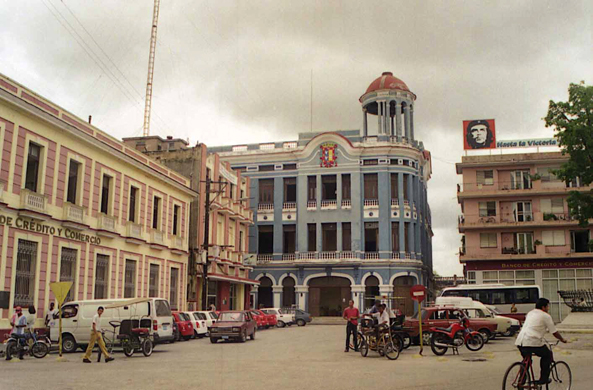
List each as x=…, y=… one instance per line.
x=341, y=214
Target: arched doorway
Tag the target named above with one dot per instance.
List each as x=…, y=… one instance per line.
x=288, y=292
x=371, y=290
x=328, y=295
x=265, y=296
x=401, y=293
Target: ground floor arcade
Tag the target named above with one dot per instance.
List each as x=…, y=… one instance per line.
x=325, y=291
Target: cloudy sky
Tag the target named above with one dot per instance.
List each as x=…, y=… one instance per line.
x=240, y=71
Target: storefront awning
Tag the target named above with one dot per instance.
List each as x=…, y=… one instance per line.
x=233, y=279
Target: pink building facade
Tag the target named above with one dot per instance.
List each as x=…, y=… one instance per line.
x=517, y=228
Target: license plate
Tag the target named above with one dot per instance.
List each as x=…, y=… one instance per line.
x=225, y=337
x=164, y=327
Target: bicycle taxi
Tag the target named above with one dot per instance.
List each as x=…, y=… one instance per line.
x=132, y=334
x=379, y=339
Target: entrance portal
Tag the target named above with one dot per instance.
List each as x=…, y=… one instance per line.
x=264, y=293
x=401, y=294
x=328, y=296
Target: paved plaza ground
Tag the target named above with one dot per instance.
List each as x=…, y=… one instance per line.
x=311, y=357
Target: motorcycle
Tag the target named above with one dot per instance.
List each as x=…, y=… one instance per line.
x=18, y=345
x=455, y=336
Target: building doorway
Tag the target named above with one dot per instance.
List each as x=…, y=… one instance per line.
x=371, y=290
x=579, y=241
x=401, y=294
x=328, y=296
x=288, y=292
x=264, y=293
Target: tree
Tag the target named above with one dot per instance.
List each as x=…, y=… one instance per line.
x=573, y=123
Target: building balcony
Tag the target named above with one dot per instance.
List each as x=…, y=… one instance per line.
x=178, y=243
x=288, y=257
x=157, y=237
x=289, y=206
x=332, y=257
x=406, y=204
x=329, y=204
x=311, y=205
x=541, y=220
x=394, y=203
x=371, y=255
x=73, y=213
x=264, y=258
x=134, y=231
x=510, y=190
x=106, y=223
x=398, y=255
x=32, y=201
x=544, y=254
x=371, y=203
x=265, y=208
x=518, y=251
x=346, y=203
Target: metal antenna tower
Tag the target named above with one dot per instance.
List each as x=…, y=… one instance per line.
x=148, y=100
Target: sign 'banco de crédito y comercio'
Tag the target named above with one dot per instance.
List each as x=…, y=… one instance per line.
x=30, y=225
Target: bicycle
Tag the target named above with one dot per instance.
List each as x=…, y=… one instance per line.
x=520, y=374
x=131, y=338
x=386, y=345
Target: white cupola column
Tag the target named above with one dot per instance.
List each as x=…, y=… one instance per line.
x=412, y=122
x=365, y=126
x=398, y=119
x=407, y=115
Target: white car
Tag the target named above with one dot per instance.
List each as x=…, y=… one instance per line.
x=515, y=324
x=200, y=327
x=283, y=319
x=209, y=316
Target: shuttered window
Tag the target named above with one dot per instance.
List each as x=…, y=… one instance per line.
x=26, y=263
x=130, y=279
x=554, y=237
x=488, y=240
x=101, y=276
x=68, y=270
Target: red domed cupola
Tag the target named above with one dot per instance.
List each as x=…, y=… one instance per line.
x=387, y=81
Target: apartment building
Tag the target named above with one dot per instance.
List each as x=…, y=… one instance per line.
x=517, y=227
x=341, y=215
x=77, y=205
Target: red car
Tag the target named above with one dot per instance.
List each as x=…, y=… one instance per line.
x=260, y=318
x=184, y=326
x=272, y=319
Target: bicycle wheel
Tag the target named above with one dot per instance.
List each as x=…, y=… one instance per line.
x=128, y=348
x=561, y=376
x=398, y=341
x=516, y=378
x=407, y=340
x=391, y=350
x=358, y=340
x=364, y=348
x=147, y=347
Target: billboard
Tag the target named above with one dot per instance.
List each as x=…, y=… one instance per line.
x=479, y=134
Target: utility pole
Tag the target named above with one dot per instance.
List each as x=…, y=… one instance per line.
x=206, y=245
x=148, y=99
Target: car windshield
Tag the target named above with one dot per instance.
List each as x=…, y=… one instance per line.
x=213, y=315
x=233, y=317
x=162, y=308
x=184, y=317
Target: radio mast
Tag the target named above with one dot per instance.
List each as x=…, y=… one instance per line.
x=148, y=100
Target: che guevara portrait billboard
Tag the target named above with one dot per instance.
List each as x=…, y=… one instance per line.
x=479, y=134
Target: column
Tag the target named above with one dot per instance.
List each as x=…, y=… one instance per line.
x=384, y=212
x=407, y=114
x=400, y=195
x=412, y=221
x=302, y=294
x=412, y=122
x=398, y=120
x=278, y=201
x=255, y=296
x=365, y=128
x=378, y=117
x=417, y=222
x=388, y=117
x=386, y=289
x=277, y=291
x=357, y=292
x=385, y=115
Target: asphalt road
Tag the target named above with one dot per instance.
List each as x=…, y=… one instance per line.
x=311, y=357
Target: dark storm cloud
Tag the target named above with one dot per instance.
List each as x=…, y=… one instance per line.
x=241, y=71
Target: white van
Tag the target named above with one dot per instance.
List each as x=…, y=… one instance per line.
x=77, y=317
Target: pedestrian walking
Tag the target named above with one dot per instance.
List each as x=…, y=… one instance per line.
x=97, y=337
x=351, y=315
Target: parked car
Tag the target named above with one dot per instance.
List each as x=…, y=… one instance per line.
x=283, y=319
x=233, y=325
x=301, y=317
x=199, y=323
x=77, y=316
x=211, y=318
x=515, y=323
x=442, y=317
x=184, y=325
x=260, y=318
x=476, y=309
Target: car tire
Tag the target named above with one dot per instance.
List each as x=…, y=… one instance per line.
x=252, y=337
x=213, y=340
x=243, y=337
x=301, y=322
x=486, y=335
x=280, y=324
x=69, y=343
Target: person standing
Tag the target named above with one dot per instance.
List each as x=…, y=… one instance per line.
x=351, y=315
x=49, y=317
x=513, y=308
x=97, y=337
x=531, y=338
x=19, y=323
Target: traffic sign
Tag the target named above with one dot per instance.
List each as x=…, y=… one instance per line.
x=418, y=292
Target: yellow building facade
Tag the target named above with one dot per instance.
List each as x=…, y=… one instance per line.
x=78, y=205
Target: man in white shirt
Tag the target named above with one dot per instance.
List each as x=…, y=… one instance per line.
x=531, y=338
x=96, y=337
x=19, y=323
x=382, y=317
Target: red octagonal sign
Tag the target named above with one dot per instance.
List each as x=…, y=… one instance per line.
x=418, y=292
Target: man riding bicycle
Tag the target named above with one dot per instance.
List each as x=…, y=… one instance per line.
x=382, y=319
x=531, y=338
